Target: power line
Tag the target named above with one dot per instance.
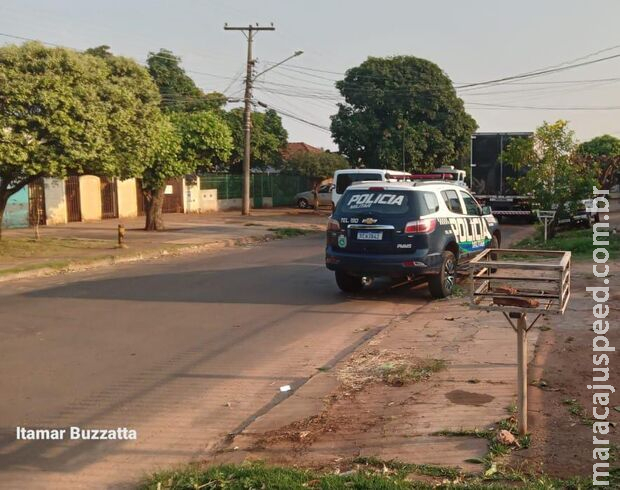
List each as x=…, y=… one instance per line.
x=537, y=73
x=285, y=113
x=506, y=106
x=154, y=55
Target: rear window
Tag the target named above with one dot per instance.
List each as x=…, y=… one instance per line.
x=387, y=202
x=345, y=180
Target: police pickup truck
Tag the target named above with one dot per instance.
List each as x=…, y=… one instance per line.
x=406, y=229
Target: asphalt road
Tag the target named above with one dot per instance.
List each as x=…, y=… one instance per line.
x=183, y=350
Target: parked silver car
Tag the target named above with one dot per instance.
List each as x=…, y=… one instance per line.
x=306, y=199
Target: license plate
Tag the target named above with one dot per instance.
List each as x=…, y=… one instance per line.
x=370, y=235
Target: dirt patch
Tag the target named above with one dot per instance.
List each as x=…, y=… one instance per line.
x=462, y=397
x=560, y=402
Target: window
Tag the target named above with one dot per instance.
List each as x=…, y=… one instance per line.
x=345, y=180
x=451, y=198
x=376, y=202
x=430, y=200
x=471, y=206
x=324, y=188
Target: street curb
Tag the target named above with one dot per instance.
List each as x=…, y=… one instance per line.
x=141, y=256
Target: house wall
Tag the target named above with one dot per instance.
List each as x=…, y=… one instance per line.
x=224, y=204
x=55, y=201
x=127, y=198
x=16, y=212
x=191, y=194
x=90, y=197
x=208, y=200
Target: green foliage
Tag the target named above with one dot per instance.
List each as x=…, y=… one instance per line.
x=178, y=91
x=364, y=473
x=315, y=165
x=62, y=111
x=554, y=177
x=132, y=108
x=289, y=232
x=396, y=101
x=579, y=242
x=205, y=138
x=268, y=138
x=605, y=145
x=164, y=162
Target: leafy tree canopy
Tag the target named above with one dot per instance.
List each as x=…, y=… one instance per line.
x=268, y=138
x=605, y=145
x=164, y=162
x=555, y=178
x=205, y=139
x=315, y=165
x=391, y=102
x=177, y=89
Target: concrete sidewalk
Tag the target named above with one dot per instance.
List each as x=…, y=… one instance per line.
x=90, y=244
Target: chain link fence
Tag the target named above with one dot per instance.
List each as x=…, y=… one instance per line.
x=281, y=189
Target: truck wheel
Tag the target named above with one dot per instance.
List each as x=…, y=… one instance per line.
x=348, y=283
x=441, y=285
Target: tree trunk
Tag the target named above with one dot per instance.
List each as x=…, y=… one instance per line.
x=552, y=231
x=153, y=209
x=4, y=197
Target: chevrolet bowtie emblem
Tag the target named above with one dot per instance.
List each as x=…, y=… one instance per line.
x=369, y=221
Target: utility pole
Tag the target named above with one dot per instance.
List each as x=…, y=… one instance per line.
x=248, y=32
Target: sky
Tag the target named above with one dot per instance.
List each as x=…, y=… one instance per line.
x=471, y=41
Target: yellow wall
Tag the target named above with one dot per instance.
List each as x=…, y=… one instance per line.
x=90, y=197
x=127, y=198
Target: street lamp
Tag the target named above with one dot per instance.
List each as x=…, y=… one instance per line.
x=294, y=55
x=247, y=117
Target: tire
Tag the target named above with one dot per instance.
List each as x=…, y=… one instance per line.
x=441, y=285
x=348, y=283
x=303, y=203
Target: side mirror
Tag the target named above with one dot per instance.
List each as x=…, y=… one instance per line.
x=486, y=210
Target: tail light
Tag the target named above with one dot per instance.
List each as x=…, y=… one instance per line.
x=427, y=225
x=333, y=225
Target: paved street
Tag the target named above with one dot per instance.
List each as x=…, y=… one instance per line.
x=184, y=350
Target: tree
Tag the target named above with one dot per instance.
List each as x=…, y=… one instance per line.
x=555, y=179
x=268, y=138
x=205, y=138
x=605, y=145
x=163, y=164
x=64, y=112
x=401, y=103
x=317, y=166
x=186, y=141
x=178, y=91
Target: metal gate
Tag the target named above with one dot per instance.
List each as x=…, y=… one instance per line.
x=109, y=199
x=173, y=198
x=36, y=203
x=72, y=194
x=140, y=197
